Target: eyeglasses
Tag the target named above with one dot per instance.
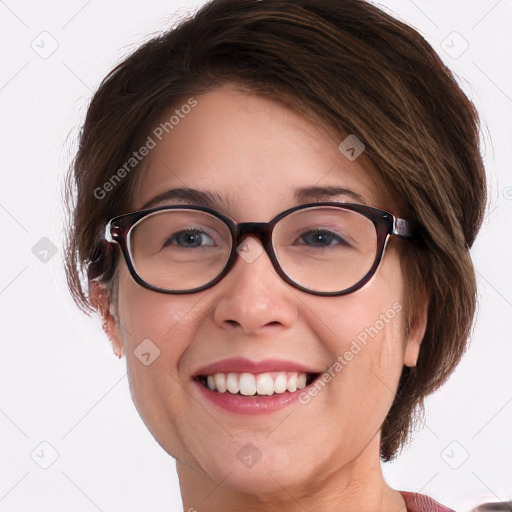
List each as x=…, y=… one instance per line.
x=327, y=248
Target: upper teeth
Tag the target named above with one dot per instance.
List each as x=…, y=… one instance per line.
x=256, y=384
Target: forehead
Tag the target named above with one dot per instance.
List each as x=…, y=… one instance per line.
x=250, y=153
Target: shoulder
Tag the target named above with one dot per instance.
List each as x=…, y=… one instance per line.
x=421, y=503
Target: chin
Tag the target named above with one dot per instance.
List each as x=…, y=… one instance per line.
x=260, y=481
x=260, y=471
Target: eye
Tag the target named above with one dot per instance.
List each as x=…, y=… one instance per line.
x=321, y=238
x=190, y=239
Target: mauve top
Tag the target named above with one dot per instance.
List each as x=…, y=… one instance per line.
x=421, y=503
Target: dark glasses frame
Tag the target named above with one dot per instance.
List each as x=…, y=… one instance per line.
x=386, y=225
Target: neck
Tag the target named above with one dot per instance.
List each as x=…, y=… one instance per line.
x=358, y=485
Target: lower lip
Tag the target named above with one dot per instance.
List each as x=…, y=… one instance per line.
x=251, y=404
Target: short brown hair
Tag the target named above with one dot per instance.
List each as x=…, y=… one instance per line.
x=350, y=67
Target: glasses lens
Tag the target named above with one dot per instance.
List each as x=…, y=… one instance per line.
x=179, y=249
x=325, y=249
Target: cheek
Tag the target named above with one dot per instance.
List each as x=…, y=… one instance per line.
x=157, y=330
x=167, y=320
x=364, y=334
x=367, y=371
x=369, y=317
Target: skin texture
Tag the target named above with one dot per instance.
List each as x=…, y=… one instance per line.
x=322, y=456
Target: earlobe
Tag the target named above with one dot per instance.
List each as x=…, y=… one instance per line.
x=100, y=299
x=416, y=331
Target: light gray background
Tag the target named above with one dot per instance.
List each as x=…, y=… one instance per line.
x=60, y=383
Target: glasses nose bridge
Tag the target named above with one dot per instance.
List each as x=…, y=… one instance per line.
x=260, y=230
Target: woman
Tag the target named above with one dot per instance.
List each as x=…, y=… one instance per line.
x=274, y=209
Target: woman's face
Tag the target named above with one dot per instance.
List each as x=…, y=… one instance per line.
x=254, y=156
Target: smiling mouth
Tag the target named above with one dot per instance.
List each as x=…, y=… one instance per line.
x=260, y=384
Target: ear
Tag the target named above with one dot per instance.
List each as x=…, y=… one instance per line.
x=100, y=299
x=415, y=331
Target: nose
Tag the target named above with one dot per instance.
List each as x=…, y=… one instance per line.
x=252, y=298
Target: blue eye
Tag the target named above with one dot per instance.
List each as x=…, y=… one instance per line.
x=190, y=239
x=321, y=238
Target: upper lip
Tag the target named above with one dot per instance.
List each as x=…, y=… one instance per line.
x=241, y=364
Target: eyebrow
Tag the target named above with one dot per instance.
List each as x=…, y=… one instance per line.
x=208, y=198
x=317, y=194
